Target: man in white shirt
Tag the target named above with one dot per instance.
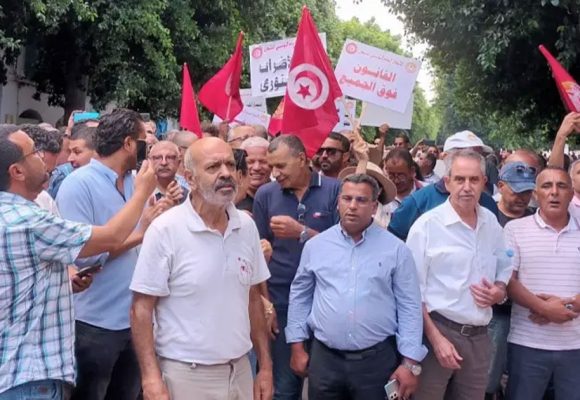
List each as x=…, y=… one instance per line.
x=544, y=340
x=463, y=269
x=198, y=270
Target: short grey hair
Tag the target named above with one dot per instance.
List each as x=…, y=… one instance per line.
x=464, y=153
x=255, y=141
x=363, y=178
x=261, y=131
x=293, y=142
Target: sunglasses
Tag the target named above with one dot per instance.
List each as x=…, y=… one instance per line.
x=301, y=210
x=331, y=151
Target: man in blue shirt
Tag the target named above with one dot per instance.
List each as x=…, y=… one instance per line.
x=357, y=290
x=107, y=365
x=288, y=212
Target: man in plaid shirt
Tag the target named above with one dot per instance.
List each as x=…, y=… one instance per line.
x=36, y=317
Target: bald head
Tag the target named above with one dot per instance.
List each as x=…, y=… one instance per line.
x=238, y=134
x=209, y=170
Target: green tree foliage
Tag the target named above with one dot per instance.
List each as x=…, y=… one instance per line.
x=492, y=74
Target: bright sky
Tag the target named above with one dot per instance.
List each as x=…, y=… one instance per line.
x=367, y=9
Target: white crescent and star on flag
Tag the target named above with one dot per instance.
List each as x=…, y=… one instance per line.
x=308, y=87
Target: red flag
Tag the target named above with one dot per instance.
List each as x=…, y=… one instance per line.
x=567, y=86
x=221, y=94
x=309, y=108
x=275, y=125
x=188, y=117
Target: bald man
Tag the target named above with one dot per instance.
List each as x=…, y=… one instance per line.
x=199, y=271
x=165, y=159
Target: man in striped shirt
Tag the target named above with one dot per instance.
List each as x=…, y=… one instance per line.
x=36, y=314
x=544, y=341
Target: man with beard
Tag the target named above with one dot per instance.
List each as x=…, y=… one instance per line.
x=198, y=272
x=333, y=155
x=165, y=159
x=93, y=194
x=36, y=325
x=288, y=212
x=258, y=169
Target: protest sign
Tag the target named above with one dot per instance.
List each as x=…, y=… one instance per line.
x=376, y=76
x=255, y=102
x=248, y=116
x=269, y=66
x=376, y=116
x=344, y=114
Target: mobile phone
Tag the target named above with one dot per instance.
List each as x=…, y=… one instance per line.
x=83, y=116
x=392, y=389
x=142, y=151
x=88, y=270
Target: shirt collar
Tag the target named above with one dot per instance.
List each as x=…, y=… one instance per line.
x=451, y=217
x=105, y=170
x=196, y=224
x=572, y=222
x=369, y=229
x=12, y=198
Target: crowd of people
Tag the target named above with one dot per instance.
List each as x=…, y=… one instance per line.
x=233, y=266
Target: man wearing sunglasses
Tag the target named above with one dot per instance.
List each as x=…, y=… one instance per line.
x=333, y=155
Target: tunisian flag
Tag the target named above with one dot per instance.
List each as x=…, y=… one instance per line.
x=309, y=108
x=188, y=117
x=221, y=94
x=567, y=86
x=275, y=125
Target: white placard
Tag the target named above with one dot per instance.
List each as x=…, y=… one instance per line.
x=269, y=66
x=255, y=102
x=376, y=116
x=343, y=115
x=376, y=76
x=248, y=116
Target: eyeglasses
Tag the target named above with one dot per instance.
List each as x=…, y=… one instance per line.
x=301, y=209
x=361, y=200
x=170, y=158
x=400, y=177
x=331, y=151
x=35, y=151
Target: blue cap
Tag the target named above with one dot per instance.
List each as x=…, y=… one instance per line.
x=519, y=176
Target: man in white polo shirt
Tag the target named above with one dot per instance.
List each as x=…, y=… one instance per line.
x=459, y=253
x=198, y=271
x=544, y=341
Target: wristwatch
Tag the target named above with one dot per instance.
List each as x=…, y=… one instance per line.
x=304, y=235
x=414, y=368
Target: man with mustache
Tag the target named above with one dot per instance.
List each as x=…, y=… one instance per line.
x=198, y=272
x=93, y=194
x=463, y=270
x=258, y=169
x=544, y=339
x=288, y=212
x=165, y=159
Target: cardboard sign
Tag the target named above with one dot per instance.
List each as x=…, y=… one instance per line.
x=248, y=116
x=376, y=116
x=376, y=76
x=269, y=66
x=255, y=102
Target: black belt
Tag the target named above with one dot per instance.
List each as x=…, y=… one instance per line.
x=353, y=355
x=465, y=330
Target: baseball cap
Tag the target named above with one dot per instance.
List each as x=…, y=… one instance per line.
x=519, y=176
x=464, y=140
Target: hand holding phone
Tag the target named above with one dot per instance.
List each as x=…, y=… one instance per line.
x=88, y=270
x=392, y=389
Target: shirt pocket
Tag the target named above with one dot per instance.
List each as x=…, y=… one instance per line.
x=320, y=220
x=244, y=270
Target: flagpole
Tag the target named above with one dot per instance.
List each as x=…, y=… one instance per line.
x=228, y=109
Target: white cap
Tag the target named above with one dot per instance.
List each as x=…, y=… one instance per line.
x=464, y=140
